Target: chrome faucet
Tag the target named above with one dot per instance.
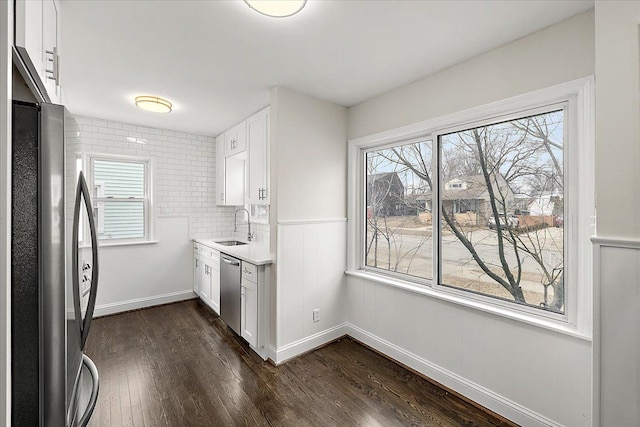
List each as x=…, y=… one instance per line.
x=235, y=223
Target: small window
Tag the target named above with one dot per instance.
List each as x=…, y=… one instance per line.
x=121, y=198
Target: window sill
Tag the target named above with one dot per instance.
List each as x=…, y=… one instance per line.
x=550, y=325
x=107, y=244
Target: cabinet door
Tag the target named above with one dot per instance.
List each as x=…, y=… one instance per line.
x=220, y=171
x=215, y=285
x=28, y=35
x=249, y=316
x=50, y=49
x=197, y=274
x=205, y=283
x=36, y=40
x=234, y=174
x=235, y=139
x=258, y=158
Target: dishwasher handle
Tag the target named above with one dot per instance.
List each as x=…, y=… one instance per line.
x=231, y=261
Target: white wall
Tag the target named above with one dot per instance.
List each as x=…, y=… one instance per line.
x=618, y=200
x=554, y=55
x=183, y=175
x=532, y=376
x=308, y=210
x=311, y=154
x=6, y=32
x=618, y=118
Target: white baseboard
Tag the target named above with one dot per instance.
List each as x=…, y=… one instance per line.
x=134, y=304
x=493, y=401
x=309, y=343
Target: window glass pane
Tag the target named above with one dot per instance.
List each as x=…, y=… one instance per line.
x=118, y=179
x=398, y=209
x=502, y=198
x=119, y=219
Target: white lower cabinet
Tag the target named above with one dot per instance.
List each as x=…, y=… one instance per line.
x=249, y=304
x=254, y=288
x=213, y=277
x=197, y=269
x=206, y=275
x=205, y=281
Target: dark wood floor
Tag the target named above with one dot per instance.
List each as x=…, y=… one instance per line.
x=178, y=365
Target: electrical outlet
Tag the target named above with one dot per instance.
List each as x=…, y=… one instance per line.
x=163, y=209
x=316, y=315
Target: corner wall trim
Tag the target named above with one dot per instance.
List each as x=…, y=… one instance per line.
x=475, y=392
x=309, y=343
x=616, y=242
x=134, y=304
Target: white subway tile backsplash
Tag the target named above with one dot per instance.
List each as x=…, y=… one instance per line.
x=184, y=170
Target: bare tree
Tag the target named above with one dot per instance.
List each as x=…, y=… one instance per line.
x=389, y=211
x=522, y=156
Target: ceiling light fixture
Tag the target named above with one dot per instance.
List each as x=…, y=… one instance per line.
x=154, y=104
x=276, y=8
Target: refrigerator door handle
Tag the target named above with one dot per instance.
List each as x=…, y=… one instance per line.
x=95, y=387
x=82, y=192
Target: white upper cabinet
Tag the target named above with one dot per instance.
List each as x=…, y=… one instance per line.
x=235, y=139
x=230, y=172
x=220, y=170
x=258, y=158
x=242, y=163
x=36, y=40
x=51, y=55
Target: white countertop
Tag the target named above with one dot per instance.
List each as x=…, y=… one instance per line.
x=256, y=253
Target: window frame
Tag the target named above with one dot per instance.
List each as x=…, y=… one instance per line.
x=577, y=101
x=147, y=199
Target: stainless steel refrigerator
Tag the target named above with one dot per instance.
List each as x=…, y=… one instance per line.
x=54, y=278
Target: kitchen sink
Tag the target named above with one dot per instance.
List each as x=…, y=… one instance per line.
x=231, y=243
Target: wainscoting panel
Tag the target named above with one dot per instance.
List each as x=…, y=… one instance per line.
x=618, y=335
x=311, y=261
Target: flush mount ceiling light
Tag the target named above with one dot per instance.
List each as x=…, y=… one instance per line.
x=154, y=104
x=276, y=8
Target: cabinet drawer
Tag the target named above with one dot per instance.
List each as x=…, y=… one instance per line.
x=249, y=272
x=207, y=252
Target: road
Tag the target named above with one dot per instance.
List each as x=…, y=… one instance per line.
x=458, y=267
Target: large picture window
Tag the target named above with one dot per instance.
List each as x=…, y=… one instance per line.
x=495, y=208
x=501, y=199
x=121, y=198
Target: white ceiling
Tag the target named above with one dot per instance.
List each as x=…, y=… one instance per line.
x=216, y=60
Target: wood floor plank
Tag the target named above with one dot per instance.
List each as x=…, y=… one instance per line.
x=179, y=365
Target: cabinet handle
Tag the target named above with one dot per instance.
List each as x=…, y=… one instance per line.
x=54, y=72
x=197, y=264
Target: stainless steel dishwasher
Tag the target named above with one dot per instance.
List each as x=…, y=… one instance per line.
x=230, y=291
